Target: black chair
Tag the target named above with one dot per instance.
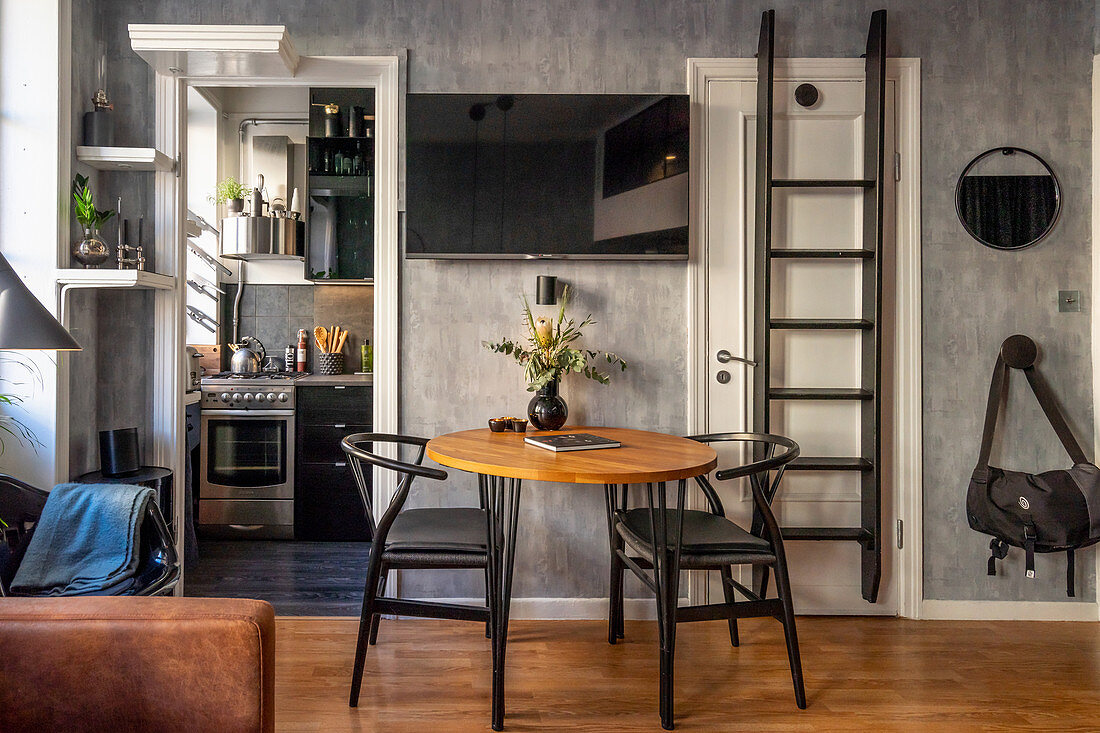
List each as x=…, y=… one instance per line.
x=413, y=539
x=21, y=505
x=708, y=541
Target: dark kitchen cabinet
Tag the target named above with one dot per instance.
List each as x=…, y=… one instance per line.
x=327, y=506
x=341, y=162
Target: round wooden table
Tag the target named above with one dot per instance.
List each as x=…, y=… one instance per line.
x=503, y=461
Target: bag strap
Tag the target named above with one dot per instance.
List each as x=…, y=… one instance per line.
x=1054, y=415
x=998, y=388
x=1070, y=567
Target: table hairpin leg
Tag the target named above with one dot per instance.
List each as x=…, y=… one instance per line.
x=502, y=509
x=666, y=576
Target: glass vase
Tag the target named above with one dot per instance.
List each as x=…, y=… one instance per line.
x=547, y=410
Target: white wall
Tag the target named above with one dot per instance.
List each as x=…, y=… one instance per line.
x=34, y=127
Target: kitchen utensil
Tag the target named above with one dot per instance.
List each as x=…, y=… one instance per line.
x=202, y=319
x=193, y=368
x=340, y=344
x=321, y=334
x=334, y=336
x=202, y=288
x=202, y=255
x=273, y=364
x=247, y=356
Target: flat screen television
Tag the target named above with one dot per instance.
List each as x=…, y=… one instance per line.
x=569, y=176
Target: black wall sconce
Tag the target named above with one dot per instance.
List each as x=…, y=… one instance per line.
x=546, y=291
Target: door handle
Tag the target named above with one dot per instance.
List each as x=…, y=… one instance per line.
x=725, y=357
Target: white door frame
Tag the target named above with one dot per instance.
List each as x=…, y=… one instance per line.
x=908, y=445
x=1095, y=314
x=385, y=74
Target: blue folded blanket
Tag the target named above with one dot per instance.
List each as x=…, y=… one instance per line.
x=87, y=541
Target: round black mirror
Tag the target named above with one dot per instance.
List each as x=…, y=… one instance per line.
x=1008, y=198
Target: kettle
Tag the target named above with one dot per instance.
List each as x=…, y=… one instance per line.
x=247, y=356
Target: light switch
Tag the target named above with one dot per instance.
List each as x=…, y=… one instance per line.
x=1069, y=301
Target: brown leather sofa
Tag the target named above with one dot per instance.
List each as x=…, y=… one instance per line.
x=137, y=664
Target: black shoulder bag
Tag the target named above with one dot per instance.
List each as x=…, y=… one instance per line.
x=1054, y=511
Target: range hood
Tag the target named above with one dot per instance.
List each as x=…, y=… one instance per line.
x=262, y=238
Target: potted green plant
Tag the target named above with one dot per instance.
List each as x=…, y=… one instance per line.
x=89, y=251
x=549, y=354
x=232, y=193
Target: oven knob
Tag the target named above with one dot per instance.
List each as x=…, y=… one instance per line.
x=248, y=397
x=283, y=397
x=237, y=397
x=271, y=397
x=224, y=397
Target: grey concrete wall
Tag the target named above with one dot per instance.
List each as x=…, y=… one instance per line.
x=993, y=72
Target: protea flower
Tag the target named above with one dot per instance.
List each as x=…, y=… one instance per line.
x=544, y=331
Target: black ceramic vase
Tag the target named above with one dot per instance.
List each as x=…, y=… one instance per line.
x=547, y=410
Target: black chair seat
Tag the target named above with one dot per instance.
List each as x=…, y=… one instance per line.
x=708, y=539
x=458, y=529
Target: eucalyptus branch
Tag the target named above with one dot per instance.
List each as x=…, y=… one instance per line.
x=548, y=356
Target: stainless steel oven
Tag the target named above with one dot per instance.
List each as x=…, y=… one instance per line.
x=246, y=483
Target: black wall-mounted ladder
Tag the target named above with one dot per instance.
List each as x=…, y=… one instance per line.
x=869, y=462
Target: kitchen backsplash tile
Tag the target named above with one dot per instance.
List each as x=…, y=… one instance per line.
x=301, y=301
x=272, y=300
x=275, y=313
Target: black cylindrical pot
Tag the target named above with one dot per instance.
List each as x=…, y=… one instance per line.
x=547, y=410
x=99, y=128
x=357, y=125
x=118, y=451
x=332, y=123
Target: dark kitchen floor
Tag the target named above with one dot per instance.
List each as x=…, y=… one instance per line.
x=297, y=578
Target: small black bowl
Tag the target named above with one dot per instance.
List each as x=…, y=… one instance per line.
x=499, y=425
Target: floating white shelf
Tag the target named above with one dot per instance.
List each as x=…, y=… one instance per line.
x=108, y=278
x=130, y=159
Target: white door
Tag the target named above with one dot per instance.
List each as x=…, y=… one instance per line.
x=822, y=142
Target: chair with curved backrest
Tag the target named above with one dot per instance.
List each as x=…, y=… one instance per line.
x=410, y=539
x=21, y=505
x=710, y=541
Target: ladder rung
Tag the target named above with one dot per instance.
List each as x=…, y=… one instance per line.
x=823, y=183
x=818, y=393
x=811, y=254
x=857, y=534
x=826, y=324
x=810, y=463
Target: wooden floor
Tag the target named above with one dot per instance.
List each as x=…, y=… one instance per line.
x=297, y=578
x=872, y=674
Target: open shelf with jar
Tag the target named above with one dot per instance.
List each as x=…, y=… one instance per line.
x=341, y=162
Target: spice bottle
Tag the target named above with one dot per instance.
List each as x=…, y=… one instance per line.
x=301, y=349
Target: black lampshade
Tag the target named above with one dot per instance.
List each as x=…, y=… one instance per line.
x=24, y=321
x=546, y=290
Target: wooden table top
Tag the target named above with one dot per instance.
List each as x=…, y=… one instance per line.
x=644, y=456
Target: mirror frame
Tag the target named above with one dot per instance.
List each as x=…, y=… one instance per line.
x=1009, y=150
